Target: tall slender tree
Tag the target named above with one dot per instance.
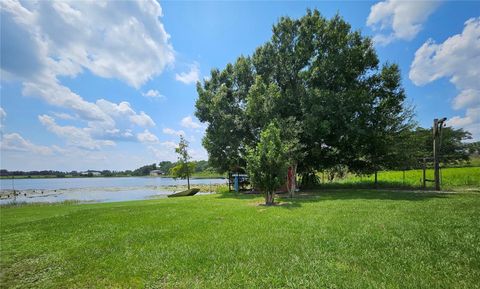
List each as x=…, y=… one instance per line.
x=184, y=168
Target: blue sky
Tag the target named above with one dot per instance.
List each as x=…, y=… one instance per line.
x=111, y=85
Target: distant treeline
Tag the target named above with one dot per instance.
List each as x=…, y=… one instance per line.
x=201, y=167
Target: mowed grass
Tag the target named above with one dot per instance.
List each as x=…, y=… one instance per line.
x=451, y=179
x=323, y=239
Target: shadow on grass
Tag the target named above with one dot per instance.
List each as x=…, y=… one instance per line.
x=329, y=194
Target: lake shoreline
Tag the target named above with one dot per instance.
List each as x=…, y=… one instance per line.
x=98, y=189
x=96, y=177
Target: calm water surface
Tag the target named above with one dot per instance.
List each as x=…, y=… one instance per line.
x=92, y=189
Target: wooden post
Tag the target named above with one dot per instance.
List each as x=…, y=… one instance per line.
x=424, y=174
x=435, y=155
x=437, y=128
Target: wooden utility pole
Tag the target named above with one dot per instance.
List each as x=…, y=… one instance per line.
x=437, y=129
x=424, y=179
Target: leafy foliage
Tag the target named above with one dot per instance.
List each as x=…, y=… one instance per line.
x=267, y=162
x=321, y=82
x=145, y=170
x=183, y=169
x=452, y=148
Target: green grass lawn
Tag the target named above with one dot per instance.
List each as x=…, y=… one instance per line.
x=452, y=179
x=326, y=239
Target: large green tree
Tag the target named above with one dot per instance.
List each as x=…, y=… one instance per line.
x=452, y=147
x=314, y=72
x=382, y=125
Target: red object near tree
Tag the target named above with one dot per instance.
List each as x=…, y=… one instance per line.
x=290, y=177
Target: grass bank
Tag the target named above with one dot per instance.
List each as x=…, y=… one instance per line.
x=465, y=178
x=334, y=239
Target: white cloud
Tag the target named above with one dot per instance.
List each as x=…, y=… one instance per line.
x=120, y=39
x=123, y=109
x=192, y=76
x=189, y=123
x=467, y=98
x=169, y=145
x=147, y=137
x=78, y=137
x=457, y=58
x=15, y=142
x=470, y=122
x=164, y=151
x=72, y=158
x=198, y=154
x=404, y=19
x=64, y=116
x=173, y=132
x=113, y=39
x=3, y=114
x=50, y=90
x=153, y=93
x=142, y=119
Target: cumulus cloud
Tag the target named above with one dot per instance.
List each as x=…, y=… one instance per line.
x=116, y=39
x=50, y=90
x=64, y=116
x=45, y=40
x=198, y=154
x=164, y=151
x=147, y=137
x=142, y=119
x=173, y=132
x=123, y=109
x=192, y=76
x=78, y=137
x=456, y=58
x=3, y=114
x=403, y=19
x=15, y=142
x=189, y=123
x=153, y=93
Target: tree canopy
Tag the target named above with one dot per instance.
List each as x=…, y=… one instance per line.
x=319, y=75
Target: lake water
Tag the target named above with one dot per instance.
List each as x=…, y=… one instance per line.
x=92, y=189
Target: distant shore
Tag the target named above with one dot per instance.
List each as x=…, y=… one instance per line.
x=201, y=176
x=6, y=194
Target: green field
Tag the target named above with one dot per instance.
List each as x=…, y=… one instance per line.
x=452, y=179
x=321, y=239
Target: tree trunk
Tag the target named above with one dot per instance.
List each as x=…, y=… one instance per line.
x=294, y=180
x=269, y=198
x=376, y=180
